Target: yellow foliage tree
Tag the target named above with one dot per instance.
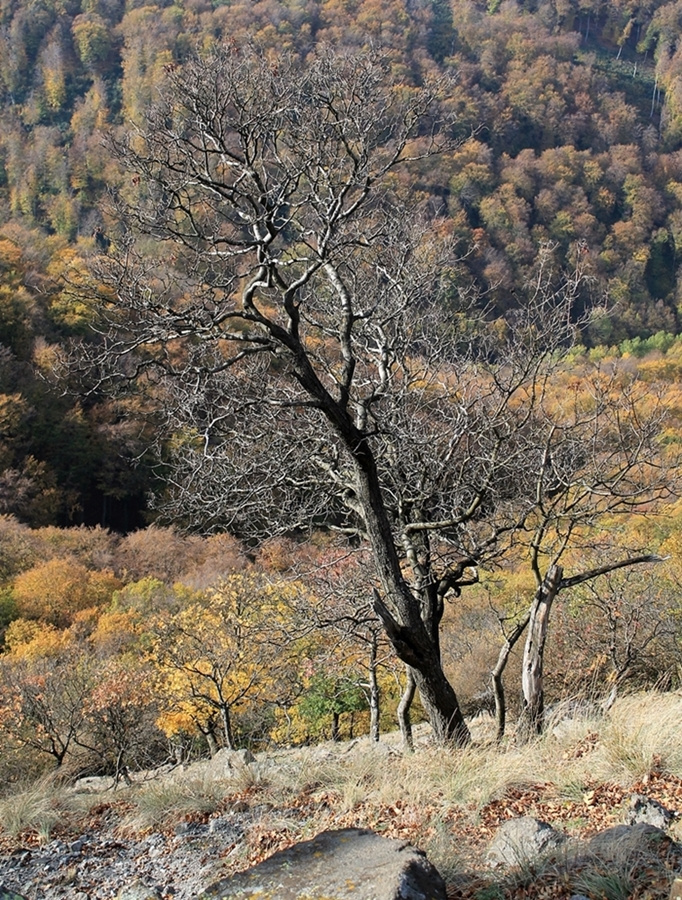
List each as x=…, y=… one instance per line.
x=235, y=645
x=53, y=591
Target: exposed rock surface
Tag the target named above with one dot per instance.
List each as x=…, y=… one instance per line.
x=650, y=812
x=522, y=841
x=624, y=840
x=351, y=864
x=99, y=866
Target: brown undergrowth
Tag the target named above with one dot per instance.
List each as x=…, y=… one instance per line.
x=578, y=777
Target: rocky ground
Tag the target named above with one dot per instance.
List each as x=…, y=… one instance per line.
x=103, y=851
x=102, y=864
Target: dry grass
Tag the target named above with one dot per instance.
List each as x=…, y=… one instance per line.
x=38, y=808
x=162, y=802
x=447, y=801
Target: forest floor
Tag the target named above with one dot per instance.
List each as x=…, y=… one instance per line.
x=178, y=830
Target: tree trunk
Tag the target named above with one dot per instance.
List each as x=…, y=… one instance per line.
x=440, y=704
x=532, y=681
x=374, y=698
x=498, y=671
x=227, y=726
x=336, y=734
x=404, y=710
x=209, y=732
x=401, y=615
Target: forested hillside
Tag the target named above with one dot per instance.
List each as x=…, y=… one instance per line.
x=506, y=371
x=570, y=125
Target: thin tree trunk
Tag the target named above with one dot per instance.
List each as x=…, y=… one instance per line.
x=121, y=770
x=211, y=739
x=227, y=727
x=532, y=680
x=404, y=707
x=335, y=726
x=498, y=671
x=374, y=699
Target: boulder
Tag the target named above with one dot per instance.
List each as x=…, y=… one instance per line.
x=352, y=864
x=226, y=762
x=623, y=841
x=650, y=812
x=522, y=841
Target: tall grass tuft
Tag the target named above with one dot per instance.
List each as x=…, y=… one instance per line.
x=162, y=801
x=38, y=808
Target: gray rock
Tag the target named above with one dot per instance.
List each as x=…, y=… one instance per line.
x=624, y=840
x=95, y=784
x=522, y=841
x=352, y=864
x=226, y=762
x=650, y=812
x=139, y=891
x=227, y=829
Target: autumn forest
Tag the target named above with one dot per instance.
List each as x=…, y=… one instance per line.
x=338, y=340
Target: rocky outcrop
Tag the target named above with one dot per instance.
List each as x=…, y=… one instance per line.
x=100, y=865
x=649, y=812
x=352, y=864
x=522, y=841
x=622, y=841
x=526, y=841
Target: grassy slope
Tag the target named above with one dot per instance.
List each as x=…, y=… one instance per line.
x=578, y=777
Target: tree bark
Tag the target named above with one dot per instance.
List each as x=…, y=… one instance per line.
x=227, y=726
x=532, y=681
x=440, y=704
x=498, y=671
x=407, y=631
x=209, y=732
x=336, y=734
x=374, y=699
x=404, y=710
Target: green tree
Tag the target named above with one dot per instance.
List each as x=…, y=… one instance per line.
x=328, y=698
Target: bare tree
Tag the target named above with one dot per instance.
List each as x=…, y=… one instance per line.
x=599, y=458
x=629, y=632
x=307, y=336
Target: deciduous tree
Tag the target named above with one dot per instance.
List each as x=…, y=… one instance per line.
x=229, y=648
x=311, y=338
